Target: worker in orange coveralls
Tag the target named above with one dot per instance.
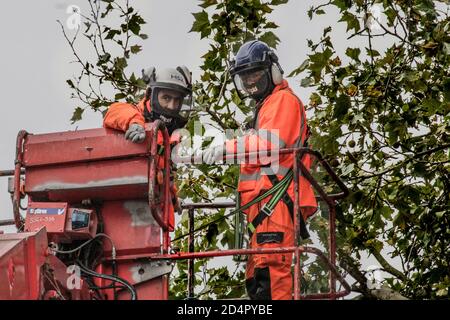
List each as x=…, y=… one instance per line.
x=168, y=98
x=279, y=122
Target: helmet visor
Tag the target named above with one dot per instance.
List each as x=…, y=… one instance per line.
x=252, y=83
x=186, y=108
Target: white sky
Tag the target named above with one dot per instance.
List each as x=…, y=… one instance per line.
x=34, y=61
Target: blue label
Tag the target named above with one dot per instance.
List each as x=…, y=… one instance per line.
x=53, y=211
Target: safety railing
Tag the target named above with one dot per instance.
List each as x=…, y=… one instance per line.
x=162, y=216
x=330, y=200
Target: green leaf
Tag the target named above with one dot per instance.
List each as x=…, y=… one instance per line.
x=342, y=4
x=271, y=25
x=439, y=214
x=373, y=53
x=315, y=99
x=300, y=69
x=201, y=21
x=278, y=2
x=353, y=53
x=310, y=13
x=270, y=38
x=343, y=103
x=306, y=82
x=77, y=115
x=70, y=83
x=134, y=24
x=208, y=3
x=135, y=49
x=386, y=212
x=442, y=292
x=111, y=34
x=391, y=15
x=318, y=62
x=119, y=96
x=446, y=48
x=104, y=58
x=351, y=20
x=121, y=63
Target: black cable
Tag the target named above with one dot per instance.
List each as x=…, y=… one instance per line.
x=107, y=287
x=114, y=272
x=91, y=285
x=110, y=278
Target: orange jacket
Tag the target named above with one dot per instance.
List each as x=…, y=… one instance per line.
x=119, y=116
x=280, y=123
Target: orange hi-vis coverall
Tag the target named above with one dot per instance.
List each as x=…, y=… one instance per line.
x=280, y=123
x=120, y=116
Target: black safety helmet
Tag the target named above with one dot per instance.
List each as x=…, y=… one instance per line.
x=255, y=70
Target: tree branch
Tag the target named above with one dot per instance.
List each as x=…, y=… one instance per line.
x=350, y=265
x=420, y=154
x=387, y=267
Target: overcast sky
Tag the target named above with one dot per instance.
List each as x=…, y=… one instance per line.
x=35, y=61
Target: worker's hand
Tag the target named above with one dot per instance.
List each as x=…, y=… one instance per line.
x=135, y=133
x=213, y=154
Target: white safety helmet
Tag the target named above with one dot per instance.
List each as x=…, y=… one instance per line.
x=178, y=79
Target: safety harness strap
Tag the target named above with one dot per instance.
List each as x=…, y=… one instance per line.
x=267, y=209
x=304, y=234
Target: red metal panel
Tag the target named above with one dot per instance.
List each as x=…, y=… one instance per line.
x=12, y=269
x=76, y=146
x=133, y=230
x=105, y=180
x=131, y=226
x=21, y=258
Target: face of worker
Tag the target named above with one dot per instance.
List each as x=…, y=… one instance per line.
x=251, y=81
x=170, y=99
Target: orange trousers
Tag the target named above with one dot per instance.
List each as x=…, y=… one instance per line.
x=268, y=276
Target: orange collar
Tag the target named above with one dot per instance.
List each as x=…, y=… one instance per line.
x=283, y=85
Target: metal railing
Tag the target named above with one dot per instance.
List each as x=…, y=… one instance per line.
x=162, y=216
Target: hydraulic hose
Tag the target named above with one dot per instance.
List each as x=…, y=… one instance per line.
x=110, y=278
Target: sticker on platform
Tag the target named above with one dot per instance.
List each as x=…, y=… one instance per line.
x=55, y=211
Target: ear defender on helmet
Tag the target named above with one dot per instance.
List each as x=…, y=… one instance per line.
x=186, y=74
x=275, y=69
x=149, y=75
